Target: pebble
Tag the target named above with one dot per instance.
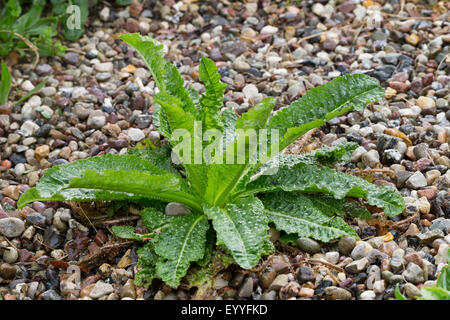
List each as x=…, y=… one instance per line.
x=11, y=227
x=346, y=245
x=176, y=209
x=335, y=293
x=305, y=274
x=135, y=134
x=308, y=245
x=101, y=289
x=413, y=274
x=279, y=282
x=357, y=266
x=10, y=255
x=416, y=180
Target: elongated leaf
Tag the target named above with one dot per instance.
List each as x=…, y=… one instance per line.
x=153, y=54
x=229, y=119
x=324, y=103
x=296, y=213
x=317, y=179
x=243, y=228
x=5, y=83
x=109, y=175
x=444, y=279
x=223, y=178
x=173, y=108
x=398, y=294
x=175, y=87
x=181, y=243
x=212, y=100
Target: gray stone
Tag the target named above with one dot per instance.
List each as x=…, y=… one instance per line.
x=411, y=290
x=36, y=218
x=50, y=295
x=402, y=176
x=305, y=274
x=136, y=134
x=357, y=154
x=357, y=266
x=413, y=273
x=176, y=209
x=11, y=227
x=346, y=245
x=246, y=288
x=397, y=261
x=416, y=181
x=396, y=278
x=308, y=245
x=270, y=295
x=441, y=224
x=279, y=282
x=370, y=158
x=430, y=236
x=421, y=151
x=361, y=250
x=250, y=91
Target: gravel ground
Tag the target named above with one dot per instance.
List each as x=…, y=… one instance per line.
x=98, y=99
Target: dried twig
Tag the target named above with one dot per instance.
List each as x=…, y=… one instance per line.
x=329, y=265
x=116, y=221
x=28, y=43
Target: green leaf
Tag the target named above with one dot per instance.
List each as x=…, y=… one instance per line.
x=434, y=293
x=398, y=294
x=444, y=279
x=296, y=213
x=242, y=227
x=126, y=232
x=181, y=243
x=327, y=155
x=229, y=119
x=161, y=157
x=317, y=179
x=154, y=219
x=76, y=33
x=224, y=178
x=107, y=175
x=147, y=259
x=324, y=103
x=5, y=83
x=174, y=86
x=153, y=54
x=340, y=207
x=173, y=108
x=212, y=100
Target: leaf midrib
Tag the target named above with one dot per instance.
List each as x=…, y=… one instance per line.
x=185, y=240
x=239, y=235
